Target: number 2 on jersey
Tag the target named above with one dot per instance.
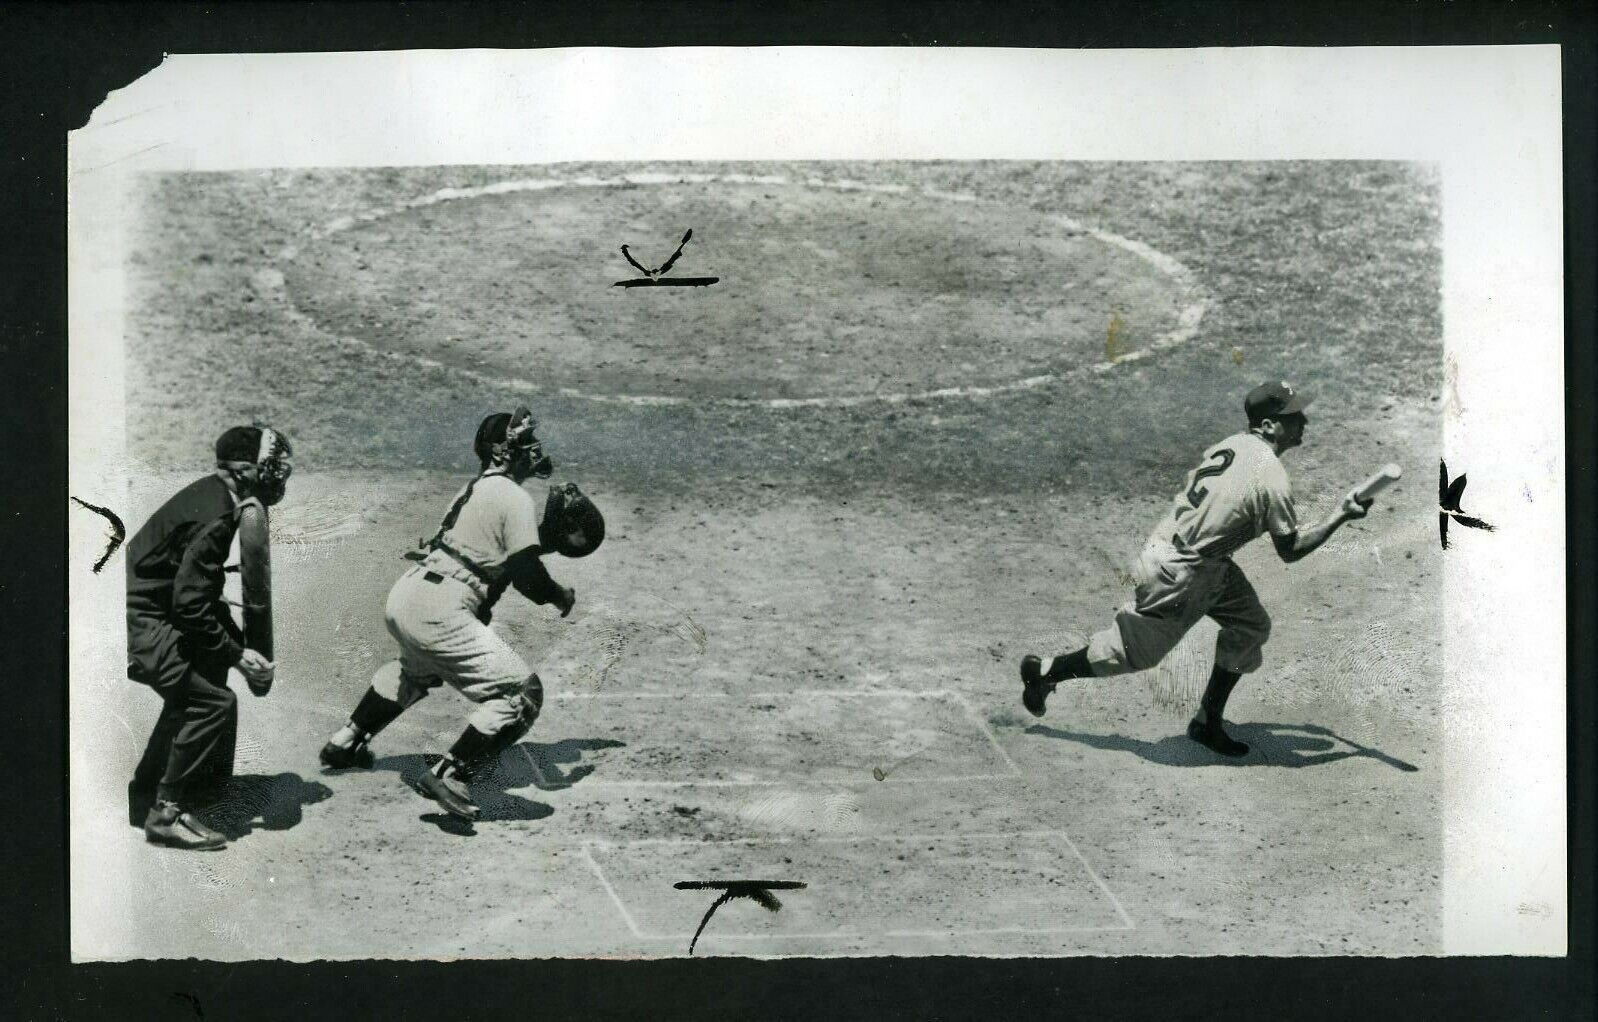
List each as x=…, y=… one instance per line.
x=1197, y=493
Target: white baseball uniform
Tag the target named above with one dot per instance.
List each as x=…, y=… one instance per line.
x=432, y=611
x=1185, y=572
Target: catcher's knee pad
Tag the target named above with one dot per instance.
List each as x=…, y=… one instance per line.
x=532, y=699
x=529, y=703
x=508, y=717
x=504, y=722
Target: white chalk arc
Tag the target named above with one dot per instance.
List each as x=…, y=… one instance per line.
x=1195, y=300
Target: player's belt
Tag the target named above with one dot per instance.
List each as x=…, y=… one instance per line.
x=466, y=562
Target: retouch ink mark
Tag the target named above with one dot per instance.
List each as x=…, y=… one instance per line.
x=656, y=278
x=758, y=891
x=1448, y=498
x=119, y=532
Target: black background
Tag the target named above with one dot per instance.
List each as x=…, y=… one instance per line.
x=58, y=63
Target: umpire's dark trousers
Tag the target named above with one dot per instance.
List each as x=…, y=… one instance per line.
x=194, y=739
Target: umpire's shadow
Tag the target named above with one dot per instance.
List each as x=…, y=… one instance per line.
x=1280, y=745
x=247, y=802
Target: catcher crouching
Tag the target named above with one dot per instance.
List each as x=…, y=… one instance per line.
x=439, y=611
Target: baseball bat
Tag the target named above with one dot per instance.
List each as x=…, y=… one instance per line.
x=1384, y=477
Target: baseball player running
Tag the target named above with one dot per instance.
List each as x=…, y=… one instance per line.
x=182, y=638
x=439, y=610
x=1238, y=491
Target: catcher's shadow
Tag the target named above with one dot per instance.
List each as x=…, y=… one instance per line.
x=1278, y=745
x=248, y=802
x=494, y=803
x=551, y=766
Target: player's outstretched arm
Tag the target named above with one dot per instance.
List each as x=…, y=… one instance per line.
x=1299, y=545
x=528, y=574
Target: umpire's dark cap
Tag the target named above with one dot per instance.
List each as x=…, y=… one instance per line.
x=241, y=443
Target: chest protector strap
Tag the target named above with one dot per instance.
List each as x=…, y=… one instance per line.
x=427, y=546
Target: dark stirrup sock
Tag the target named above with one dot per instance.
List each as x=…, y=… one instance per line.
x=469, y=752
x=1071, y=665
x=374, y=713
x=1216, y=693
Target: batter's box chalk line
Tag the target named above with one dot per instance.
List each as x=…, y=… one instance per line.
x=1196, y=300
x=1126, y=922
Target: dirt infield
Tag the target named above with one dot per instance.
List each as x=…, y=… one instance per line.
x=792, y=601
x=911, y=291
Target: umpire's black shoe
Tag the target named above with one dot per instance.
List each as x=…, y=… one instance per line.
x=337, y=757
x=168, y=824
x=1034, y=689
x=1212, y=737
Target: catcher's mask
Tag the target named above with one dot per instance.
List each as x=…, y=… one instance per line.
x=259, y=456
x=509, y=440
x=572, y=525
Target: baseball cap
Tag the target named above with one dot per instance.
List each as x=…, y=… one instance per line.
x=1273, y=399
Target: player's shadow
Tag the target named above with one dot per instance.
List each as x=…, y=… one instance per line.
x=1279, y=745
x=545, y=766
x=494, y=803
x=248, y=802
x=551, y=766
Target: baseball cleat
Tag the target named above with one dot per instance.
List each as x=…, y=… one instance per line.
x=337, y=757
x=1035, y=691
x=1213, y=738
x=167, y=824
x=448, y=792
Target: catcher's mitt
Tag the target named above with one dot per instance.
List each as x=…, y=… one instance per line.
x=572, y=524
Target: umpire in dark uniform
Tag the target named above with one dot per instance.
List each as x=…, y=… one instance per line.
x=182, y=639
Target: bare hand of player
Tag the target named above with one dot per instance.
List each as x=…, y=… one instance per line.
x=257, y=669
x=1354, y=508
x=568, y=598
